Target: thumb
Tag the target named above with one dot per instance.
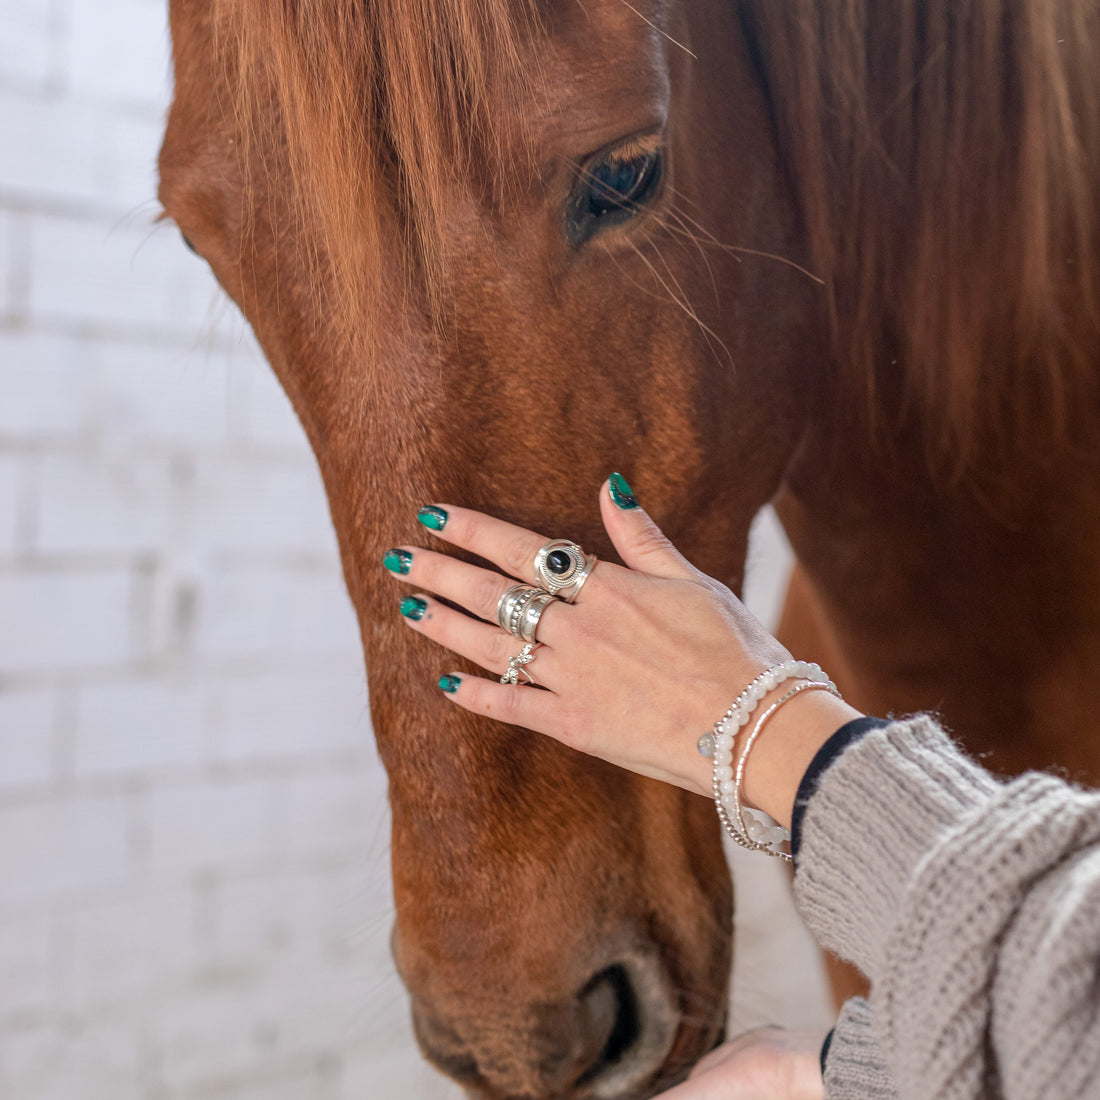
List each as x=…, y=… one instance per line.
x=639, y=541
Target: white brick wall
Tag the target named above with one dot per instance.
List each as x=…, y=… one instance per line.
x=45, y=388
x=60, y=848
x=27, y=723
x=194, y=881
x=141, y=728
x=61, y=616
x=194, y=889
x=29, y=45
x=12, y=479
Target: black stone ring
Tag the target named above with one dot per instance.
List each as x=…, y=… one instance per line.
x=562, y=567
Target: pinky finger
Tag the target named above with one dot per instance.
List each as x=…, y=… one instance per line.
x=516, y=704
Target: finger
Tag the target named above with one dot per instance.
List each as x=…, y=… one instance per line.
x=472, y=587
x=510, y=547
x=479, y=642
x=515, y=704
x=637, y=538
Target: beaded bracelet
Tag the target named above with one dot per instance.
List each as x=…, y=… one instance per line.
x=753, y=833
x=725, y=729
x=719, y=745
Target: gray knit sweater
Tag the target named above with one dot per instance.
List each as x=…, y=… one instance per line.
x=974, y=907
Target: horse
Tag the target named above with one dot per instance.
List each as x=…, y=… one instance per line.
x=834, y=255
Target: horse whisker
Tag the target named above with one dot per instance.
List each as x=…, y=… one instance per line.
x=679, y=226
x=679, y=45
x=708, y=333
x=738, y=250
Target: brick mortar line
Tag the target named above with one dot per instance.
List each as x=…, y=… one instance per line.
x=31, y=201
x=100, y=443
x=193, y=338
x=54, y=91
x=169, y=667
x=196, y=877
x=310, y=563
x=115, y=332
x=210, y=775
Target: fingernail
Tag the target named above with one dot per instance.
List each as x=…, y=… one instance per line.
x=413, y=607
x=435, y=519
x=398, y=561
x=622, y=494
x=450, y=683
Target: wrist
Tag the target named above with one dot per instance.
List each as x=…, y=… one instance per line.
x=795, y=733
x=734, y=737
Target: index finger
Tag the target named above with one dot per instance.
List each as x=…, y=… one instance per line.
x=507, y=546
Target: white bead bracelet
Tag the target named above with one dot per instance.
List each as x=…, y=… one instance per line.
x=747, y=830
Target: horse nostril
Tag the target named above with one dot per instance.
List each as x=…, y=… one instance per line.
x=613, y=1009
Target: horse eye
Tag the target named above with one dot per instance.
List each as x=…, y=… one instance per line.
x=612, y=189
x=187, y=242
x=622, y=185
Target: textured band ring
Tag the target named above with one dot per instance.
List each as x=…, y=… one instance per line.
x=562, y=567
x=511, y=605
x=532, y=612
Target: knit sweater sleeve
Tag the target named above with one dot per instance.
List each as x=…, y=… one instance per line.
x=973, y=906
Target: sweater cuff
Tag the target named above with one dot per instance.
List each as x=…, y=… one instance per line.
x=854, y=1065
x=845, y=736
x=877, y=812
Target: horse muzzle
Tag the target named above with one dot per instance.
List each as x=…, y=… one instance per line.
x=611, y=1041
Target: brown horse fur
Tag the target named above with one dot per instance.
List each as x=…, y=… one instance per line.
x=381, y=186
x=949, y=540
x=946, y=158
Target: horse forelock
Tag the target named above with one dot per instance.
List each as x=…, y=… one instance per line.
x=378, y=109
x=947, y=157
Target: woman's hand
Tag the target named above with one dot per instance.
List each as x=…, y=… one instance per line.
x=647, y=659
x=770, y=1063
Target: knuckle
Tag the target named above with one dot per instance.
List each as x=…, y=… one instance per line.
x=652, y=541
x=519, y=557
x=502, y=702
x=509, y=704
x=586, y=632
x=425, y=568
x=466, y=527
x=487, y=593
x=500, y=649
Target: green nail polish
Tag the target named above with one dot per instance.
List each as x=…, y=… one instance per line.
x=398, y=561
x=413, y=607
x=450, y=683
x=622, y=494
x=435, y=519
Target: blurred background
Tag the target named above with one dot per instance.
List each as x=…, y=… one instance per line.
x=194, y=882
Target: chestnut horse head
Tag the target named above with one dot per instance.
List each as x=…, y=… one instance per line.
x=495, y=249
x=469, y=235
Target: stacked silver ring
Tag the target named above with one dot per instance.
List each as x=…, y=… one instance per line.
x=520, y=608
x=562, y=567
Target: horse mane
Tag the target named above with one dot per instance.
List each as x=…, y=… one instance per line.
x=379, y=107
x=947, y=160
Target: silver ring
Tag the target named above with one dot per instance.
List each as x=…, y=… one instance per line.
x=511, y=605
x=515, y=665
x=532, y=612
x=582, y=576
x=562, y=567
